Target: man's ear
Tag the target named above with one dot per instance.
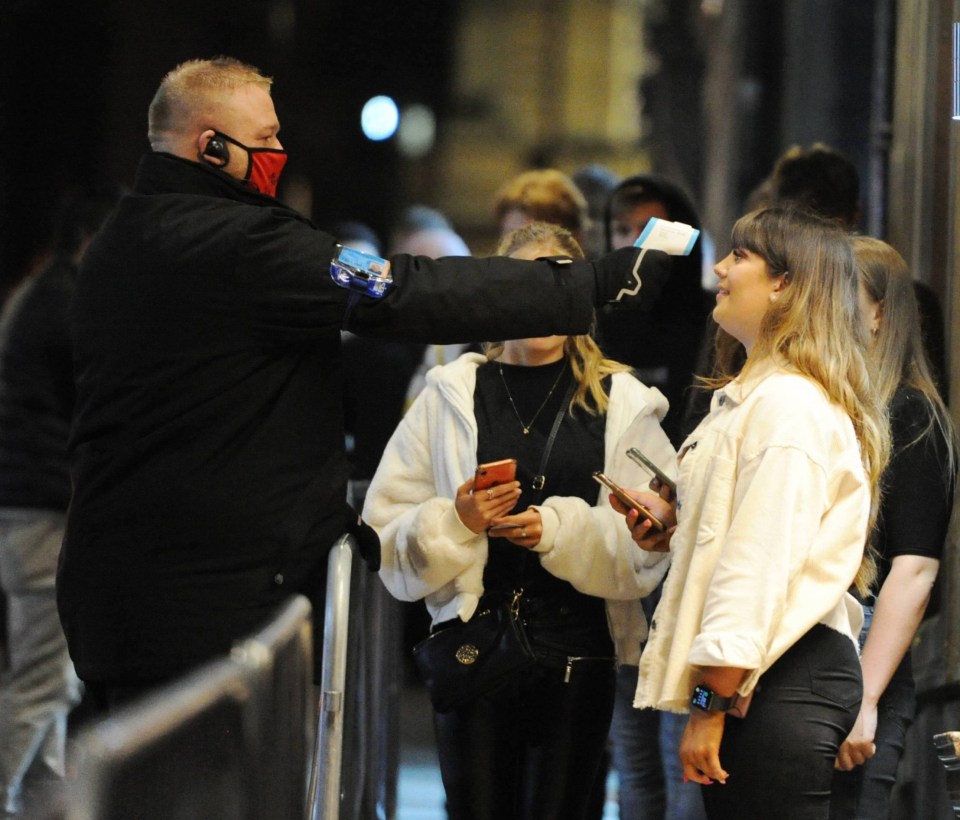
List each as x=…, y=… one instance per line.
x=213, y=149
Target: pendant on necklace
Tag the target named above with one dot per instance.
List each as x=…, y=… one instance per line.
x=526, y=431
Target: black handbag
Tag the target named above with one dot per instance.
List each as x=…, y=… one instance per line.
x=460, y=663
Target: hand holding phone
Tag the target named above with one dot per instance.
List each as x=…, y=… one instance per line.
x=629, y=501
x=495, y=472
x=639, y=458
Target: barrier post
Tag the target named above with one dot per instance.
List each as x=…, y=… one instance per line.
x=324, y=802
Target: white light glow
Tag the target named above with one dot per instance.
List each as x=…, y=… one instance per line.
x=379, y=118
x=418, y=130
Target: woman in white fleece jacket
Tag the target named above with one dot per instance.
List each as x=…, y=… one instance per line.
x=532, y=747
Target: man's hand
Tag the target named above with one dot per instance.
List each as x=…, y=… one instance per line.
x=630, y=274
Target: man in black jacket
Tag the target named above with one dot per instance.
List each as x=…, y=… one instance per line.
x=207, y=451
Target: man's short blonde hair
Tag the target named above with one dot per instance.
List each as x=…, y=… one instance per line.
x=187, y=91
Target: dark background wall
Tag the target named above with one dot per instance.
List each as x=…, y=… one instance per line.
x=76, y=80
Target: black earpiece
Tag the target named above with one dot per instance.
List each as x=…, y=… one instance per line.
x=217, y=149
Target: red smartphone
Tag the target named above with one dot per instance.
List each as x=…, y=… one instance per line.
x=495, y=472
x=629, y=501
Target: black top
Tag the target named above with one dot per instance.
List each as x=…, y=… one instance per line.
x=917, y=490
x=207, y=451
x=36, y=391
x=560, y=621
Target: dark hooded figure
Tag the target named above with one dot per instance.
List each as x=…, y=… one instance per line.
x=661, y=337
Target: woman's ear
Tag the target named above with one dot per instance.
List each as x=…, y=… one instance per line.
x=876, y=318
x=779, y=283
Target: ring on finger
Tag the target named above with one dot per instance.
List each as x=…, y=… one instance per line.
x=523, y=532
x=489, y=495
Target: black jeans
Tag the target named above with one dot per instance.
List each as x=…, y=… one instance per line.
x=780, y=757
x=531, y=749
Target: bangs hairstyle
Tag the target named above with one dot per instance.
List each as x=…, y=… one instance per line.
x=586, y=360
x=189, y=89
x=815, y=328
x=897, y=355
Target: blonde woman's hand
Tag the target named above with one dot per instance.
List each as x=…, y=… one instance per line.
x=859, y=747
x=478, y=509
x=523, y=529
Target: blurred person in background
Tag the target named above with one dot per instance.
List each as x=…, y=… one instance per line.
x=541, y=195
x=596, y=183
x=37, y=397
x=660, y=336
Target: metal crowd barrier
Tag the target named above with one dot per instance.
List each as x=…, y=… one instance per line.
x=228, y=741
x=248, y=737
x=357, y=759
x=948, y=751
x=328, y=754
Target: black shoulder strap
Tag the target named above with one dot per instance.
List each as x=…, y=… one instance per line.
x=540, y=479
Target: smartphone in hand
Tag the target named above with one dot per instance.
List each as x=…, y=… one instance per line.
x=495, y=472
x=638, y=457
x=629, y=501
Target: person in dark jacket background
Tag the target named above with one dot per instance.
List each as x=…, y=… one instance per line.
x=207, y=452
x=36, y=404
x=660, y=337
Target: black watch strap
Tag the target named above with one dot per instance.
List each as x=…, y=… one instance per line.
x=707, y=700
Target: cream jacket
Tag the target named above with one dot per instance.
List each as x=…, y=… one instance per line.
x=428, y=553
x=773, y=507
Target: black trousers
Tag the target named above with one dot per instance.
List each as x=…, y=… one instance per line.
x=530, y=750
x=780, y=757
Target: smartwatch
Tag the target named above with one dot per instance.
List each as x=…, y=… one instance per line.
x=709, y=701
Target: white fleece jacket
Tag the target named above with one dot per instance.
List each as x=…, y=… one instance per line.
x=427, y=552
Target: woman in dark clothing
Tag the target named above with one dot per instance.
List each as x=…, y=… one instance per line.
x=530, y=749
x=918, y=487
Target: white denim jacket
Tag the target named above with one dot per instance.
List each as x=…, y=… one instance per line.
x=773, y=508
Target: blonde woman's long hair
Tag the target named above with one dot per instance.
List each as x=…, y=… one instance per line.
x=897, y=355
x=587, y=362
x=815, y=327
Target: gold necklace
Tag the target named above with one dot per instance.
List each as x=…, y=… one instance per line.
x=526, y=427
